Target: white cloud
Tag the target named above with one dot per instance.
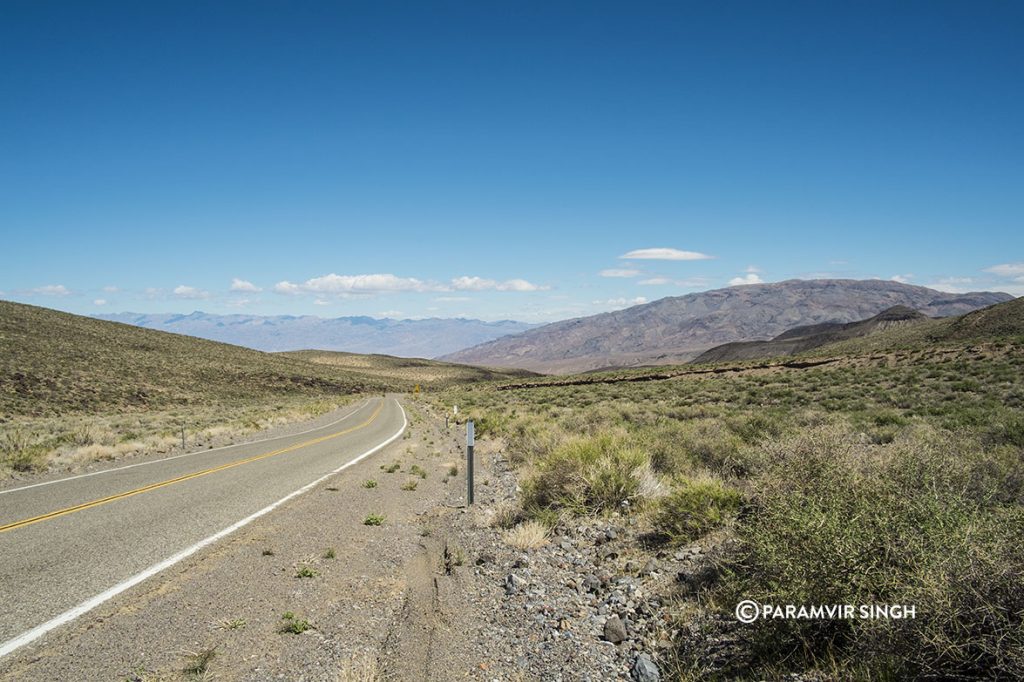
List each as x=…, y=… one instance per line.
x=1007, y=270
x=622, y=302
x=688, y=283
x=453, y=299
x=244, y=285
x=344, y=286
x=749, y=278
x=665, y=254
x=951, y=285
x=183, y=291
x=902, y=279
x=100, y=301
x=51, y=290
x=390, y=313
x=242, y=302
x=349, y=285
x=481, y=284
x=321, y=301
x=753, y=268
x=111, y=289
x=619, y=272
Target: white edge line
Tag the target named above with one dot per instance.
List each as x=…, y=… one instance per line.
x=86, y=606
x=186, y=454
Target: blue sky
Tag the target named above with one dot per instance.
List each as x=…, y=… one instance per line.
x=501, y=160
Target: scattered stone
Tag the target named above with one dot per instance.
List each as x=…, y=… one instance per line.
x=644, y=669
x=614, y=630
x=649, y=568
x=514, y=583
x=485, y=558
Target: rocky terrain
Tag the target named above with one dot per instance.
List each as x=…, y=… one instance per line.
x=677, y=329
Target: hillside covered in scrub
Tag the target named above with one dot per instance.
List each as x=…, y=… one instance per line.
x=885, y=471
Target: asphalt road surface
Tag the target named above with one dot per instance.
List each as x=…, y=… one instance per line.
x=70, y=545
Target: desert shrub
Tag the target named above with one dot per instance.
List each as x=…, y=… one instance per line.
x=754, y=427
x=918, y=522
x=711, y=444
x=528, y=535
x=695, y=507
x=585, y=475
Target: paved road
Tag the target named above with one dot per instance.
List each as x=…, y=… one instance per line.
x=66, y=543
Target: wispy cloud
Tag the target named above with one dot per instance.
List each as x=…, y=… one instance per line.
x=383, y=283
x=664, y=253
x=616, y=303
x=244, y=285
x=482, y=284
x=342, y=285
x=100, y=301
x=110, y=289
x=902, y=279
x=191, y=293
x=686, y=283
x=951, y=285
x=1012, y=270
x=393, y=314
x=50, y=290
x=620, y=272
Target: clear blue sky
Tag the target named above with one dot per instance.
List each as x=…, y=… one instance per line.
x=498, y=160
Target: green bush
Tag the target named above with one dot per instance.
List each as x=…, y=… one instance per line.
x=694, y=508
x=923, y=521
x=586, y=475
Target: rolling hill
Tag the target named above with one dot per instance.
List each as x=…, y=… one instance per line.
x=801, y=339
x=677, y=329
x=58, y=363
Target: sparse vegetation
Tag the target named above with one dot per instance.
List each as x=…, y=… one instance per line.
x=329, y=553
x=374, y=520
x=391, y=468
x=292, y=624
x=370, y=483
x=409, y=485
x=199, y=662
x=417, y=470
x=527, y=535
x=876, y=478
x=305, y=571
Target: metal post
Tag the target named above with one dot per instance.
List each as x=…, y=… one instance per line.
x=469, y=461
x=182, y=436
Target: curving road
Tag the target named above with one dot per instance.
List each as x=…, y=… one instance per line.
x=69, y=545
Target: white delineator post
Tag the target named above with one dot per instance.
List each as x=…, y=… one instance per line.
x=469, y=461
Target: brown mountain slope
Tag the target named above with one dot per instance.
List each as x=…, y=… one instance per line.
x=677, y=329
x=800, y=339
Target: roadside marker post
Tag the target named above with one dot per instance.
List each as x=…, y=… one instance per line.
x=182, y=436
x=469, y=461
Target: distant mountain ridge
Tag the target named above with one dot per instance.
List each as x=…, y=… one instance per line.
x=425, y=338
x=677, y=329
x=800, y=339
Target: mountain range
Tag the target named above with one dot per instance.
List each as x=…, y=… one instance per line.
x=677, y=329
x=425, y=338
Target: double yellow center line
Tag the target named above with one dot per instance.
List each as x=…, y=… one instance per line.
x=186, y=477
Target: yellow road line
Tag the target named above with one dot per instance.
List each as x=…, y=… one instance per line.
x=186, y=477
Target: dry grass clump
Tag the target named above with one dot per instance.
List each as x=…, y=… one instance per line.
x=360, y=668
x=527, y=535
